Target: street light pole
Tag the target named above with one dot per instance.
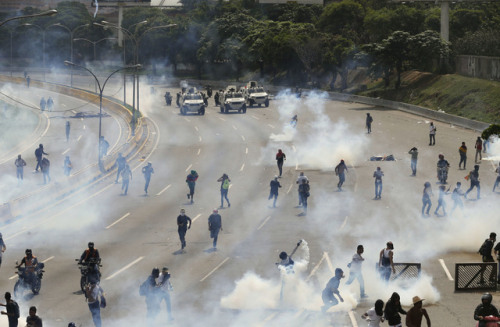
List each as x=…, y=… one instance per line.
x=101, y=90
x=43, y=45
x=45, y=13
x=94, y=42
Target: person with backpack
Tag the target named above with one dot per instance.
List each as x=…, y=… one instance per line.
x=386, y=263
x=12, y=308
x=304, y=189
x=149, y=288
x=165, y=288
x=183, y=224
x=474, y=181
x=94, y=295
x=39, y=154
x=224, y=188
x=369, y=120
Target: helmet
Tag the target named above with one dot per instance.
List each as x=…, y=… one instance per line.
x=283, y=255
x=91, y=245
x=28, y=252
x=339, y=272
x=486, y=298
x=155, y=272
x=71, y=324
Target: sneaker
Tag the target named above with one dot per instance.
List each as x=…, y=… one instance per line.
x=188, y=196
x=229, y=205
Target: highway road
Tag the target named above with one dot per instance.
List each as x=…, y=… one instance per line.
x=239, y=284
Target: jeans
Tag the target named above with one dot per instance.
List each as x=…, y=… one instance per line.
x=280, y=166
x=118, y=173
x=478, y=152
x=462, y=159
x=357, y=275
x=414, y=166
x=494, y=186
x=182, y=235
x=95, y=310
x=426, y=202
x=165, y=295
x=125, y=185
x=472, y=184
x=369, y=127
x=223, y=195
x=275, y=195
x=341, y=180
x=385, y=273
x=19, y=173
x=148, y=179
x=457, y=203
x=214, y=234
x=442, y=204
x=153, y=308
x=432, y=139
x=378, y=188
x=46, y=176
x=329, y=300
x=38, y=163
x=304, y=201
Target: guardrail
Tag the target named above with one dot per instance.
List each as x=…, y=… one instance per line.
x=476, y=276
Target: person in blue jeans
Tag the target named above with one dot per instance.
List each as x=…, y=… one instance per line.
x=355, y=270
x=340, y=171
x=147, y=171
x=214, y=226
x=426, y=199
x=378, y=182
x=224, y=189
x=274, y=185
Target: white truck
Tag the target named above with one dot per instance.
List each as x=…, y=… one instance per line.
x=191, y=101
x=255, y=94
x=231, y=99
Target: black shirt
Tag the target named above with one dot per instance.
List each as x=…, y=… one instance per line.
x=182, y=222
x=34, y=321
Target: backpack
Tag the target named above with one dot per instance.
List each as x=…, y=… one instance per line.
x=16, y=309
x=225, y=184
x=483, y=249
x=143, y=289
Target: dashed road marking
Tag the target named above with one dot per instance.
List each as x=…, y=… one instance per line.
x=189, y=167
x=186, y=119
x=124, y=268
x=246, y=150
x=294, y=149
x=199, y=138
x=118, y=220
x=66, y=151
x=197, y=216
x=213, y=270
x=79, y=137
x=264, y=222
x=242, y=137
x=196, y=128
x=353, y=319
x=234, y=127
x=316, y=267
x=446, y=271
x=199, y=151
x=166, y=188
x=270, y=125
x=289, y=188
x=257, y=118
x=221, y=118
x=344, y=223
x=242, y=167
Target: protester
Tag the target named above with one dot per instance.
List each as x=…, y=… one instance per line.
x=224, y=189
x=375, y=315
x=33, y=320
x=355, y=270
x=414, y=158
x=165, y=288
x=332, y=289
x=274, y=186
x=485, y=309
x=462, y=150
x=214, y=226
x=386, y=263
x=392, y=310
x=415, y=314
x=12, y=308
x=432, y=134
x=147, y=171
x=280, y=158
x=340, y=171
x=183, y=224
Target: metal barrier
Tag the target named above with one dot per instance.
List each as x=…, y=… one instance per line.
x=476, y=276
x=404, y=271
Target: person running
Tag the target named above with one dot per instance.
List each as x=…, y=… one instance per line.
x=340, y=171
x=120, y=164
x=274, y=185
x=147, y=171
x=20, y=163
x=332, y=289
x=126, y=177
x=462, y=150
x=280, y=158
x=426, y=199
x=165, y=288
x=392, y=310
x=432, y=134
x=183, y=224
x=224, y=189
x=479, y=147
x=497, y=181
x=45, y=168
x=3, y=247
x=369, y=120
x=455, y=196
x=377, y=174
x=441, y=202
x=191, y=182
x=214, y=226
x=299, y=181
x=39, y=155
x=68, y=129
x=474, y=181
x=414, y=158
x=386, y=263
x=94, y=293
x=415, y=314
x=43, y=104
x=304, y=191
x=375, y=315
x=355, y=270
x=485, y=309
x=67, y=166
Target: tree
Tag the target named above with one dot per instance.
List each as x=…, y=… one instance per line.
x=342, y=18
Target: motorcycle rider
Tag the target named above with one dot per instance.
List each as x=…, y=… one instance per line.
x=90, y=257
x=442, y=168
x=485, y=309
x=30, y=263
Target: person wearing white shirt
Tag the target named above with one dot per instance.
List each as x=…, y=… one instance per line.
x=355, y=270
x=165, y=289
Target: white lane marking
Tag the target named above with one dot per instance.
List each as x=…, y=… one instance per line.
x=234, y=127
x=197, y=216
x=63, y=104
x=66, y=151
x=79, y=137
x=166, y=188
x=316, y=267
x=446, y=271
x=344, y=223
x=264, y=222
x=189, y=167
x=270, y=125
x=221, y=118
x=246, y=150
x=297, y=166
x=84, y=126
x=187, y=120
x=199, y=151
x=353, y=319
x=242, y=137
x=44, y=261
x=270, y=317
x=242, y=167
x=291, y=185
x=294, y=149
x=124, y=268
x=299, y=313
x=199, y=138
x=329, y=262
x=196, y=128
x=73, y=111
x=257, y=118
x=118, y=220
x=213, y=270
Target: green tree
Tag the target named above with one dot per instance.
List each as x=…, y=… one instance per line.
x=342, y=18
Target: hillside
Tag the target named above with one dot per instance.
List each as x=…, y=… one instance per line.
x=472, y=98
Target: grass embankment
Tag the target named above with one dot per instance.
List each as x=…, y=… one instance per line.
x=472, y=98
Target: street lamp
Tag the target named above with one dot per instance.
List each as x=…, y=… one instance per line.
x=95, y=42
x=43, y=45
x=45, y=13
x=101, y=89
x=71, y=34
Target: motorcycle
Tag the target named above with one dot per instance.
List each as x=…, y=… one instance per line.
x=442, y=174
x=29, y=280
x=491, y=321
x=90, y=271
